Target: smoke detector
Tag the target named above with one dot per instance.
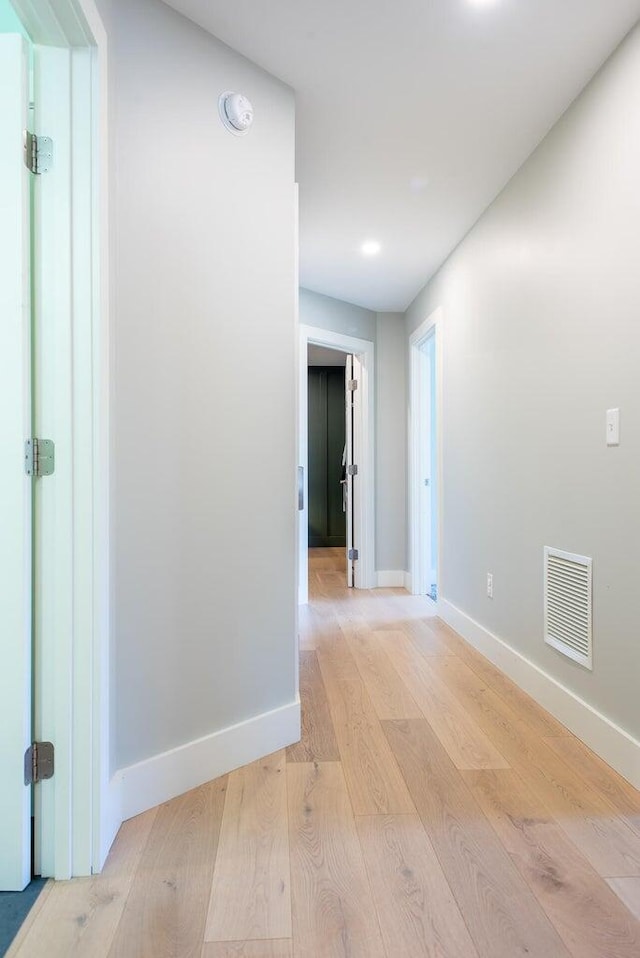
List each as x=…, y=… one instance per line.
x=235, y=112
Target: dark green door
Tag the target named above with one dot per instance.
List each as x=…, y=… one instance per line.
x=327, y=522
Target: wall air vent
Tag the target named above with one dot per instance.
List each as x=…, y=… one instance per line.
x=568, y=604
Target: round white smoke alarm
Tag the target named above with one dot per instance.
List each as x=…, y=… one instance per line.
x=235, y=112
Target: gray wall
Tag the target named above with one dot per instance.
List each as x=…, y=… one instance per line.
x=204, y=442
x=391, y=443
x=386, y=330
x=337, y=316
x=541, y=336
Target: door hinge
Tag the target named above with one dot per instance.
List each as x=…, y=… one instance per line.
x=38, y=152
x=353, y=554
x=38, y=762
x=352, y=385
x=352, y=470
x=39, y=457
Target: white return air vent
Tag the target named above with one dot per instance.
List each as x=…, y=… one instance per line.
x=568, y=604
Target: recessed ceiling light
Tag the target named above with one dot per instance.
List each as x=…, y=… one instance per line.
x=371, y=248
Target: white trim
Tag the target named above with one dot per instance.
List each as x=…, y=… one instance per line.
x=163, y=777
x=15, y=488
x=391, y=579
x=63, y=23
x=111, y=817
x=75, y=814
x=296, y=492
x=612, y=743
x=364, y=349
x=53, y=418
x=432, y=326
x=408, y=582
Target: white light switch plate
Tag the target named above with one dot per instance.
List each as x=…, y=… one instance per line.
x=613, y=427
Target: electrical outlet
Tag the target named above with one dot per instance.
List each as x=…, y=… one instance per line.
x=490, y=585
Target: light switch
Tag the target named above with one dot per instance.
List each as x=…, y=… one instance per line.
x=613, y=427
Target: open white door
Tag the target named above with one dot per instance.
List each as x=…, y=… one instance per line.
x=350, y=468
x=15, y=486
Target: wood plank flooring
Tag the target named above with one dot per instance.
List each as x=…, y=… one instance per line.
x=431, y=809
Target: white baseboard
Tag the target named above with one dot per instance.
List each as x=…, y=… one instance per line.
x=608, y=740
x=393, y=579
x=408, y=581
x=110, y=819
x=165, y=776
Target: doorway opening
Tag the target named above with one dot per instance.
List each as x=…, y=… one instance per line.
x=336, y=464
x=425, y=472
x=326, y=463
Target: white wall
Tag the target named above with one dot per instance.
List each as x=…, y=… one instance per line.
x=541, y=336
x=386, y=331
x=204, y=387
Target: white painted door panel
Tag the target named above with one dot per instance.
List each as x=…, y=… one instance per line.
x=15, y=486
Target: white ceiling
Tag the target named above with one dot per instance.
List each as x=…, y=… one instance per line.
x=411, y=116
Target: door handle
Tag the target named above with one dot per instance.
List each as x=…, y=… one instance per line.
x=300, y=488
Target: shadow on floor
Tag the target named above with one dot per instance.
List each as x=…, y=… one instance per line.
x=14, y=908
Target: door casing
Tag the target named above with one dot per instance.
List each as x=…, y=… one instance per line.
x=75, y=820
x=15, y=486
x=419, y=431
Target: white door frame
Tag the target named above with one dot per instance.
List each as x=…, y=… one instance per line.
x=15, y=487
x=74, y=820
x=364, y=425
x=419, y=428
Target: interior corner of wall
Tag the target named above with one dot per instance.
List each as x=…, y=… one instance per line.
x=165, y=776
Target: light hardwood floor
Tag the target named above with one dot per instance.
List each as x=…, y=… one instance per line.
x=431, y=809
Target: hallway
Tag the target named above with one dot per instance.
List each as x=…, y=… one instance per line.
x=431, y=809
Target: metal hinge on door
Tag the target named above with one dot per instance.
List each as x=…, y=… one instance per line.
x=39, y=457
x=353, y=554
x=38, y=762
x=38, y=152
x=352, y=470
x=352, y=385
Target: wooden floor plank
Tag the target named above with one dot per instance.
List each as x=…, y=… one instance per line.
x=374, y=780
x=390, y=696
x=328, y=559
x=587, y=914
x=465, y=742
x=600, y=776
x=248, y=949
x=80, y=917
x=419, y=917
x=165, y=913
x=589, y=819
x=251, y=894
x=318, y=740
x=502, y=915
x=628, y=891
x=537, y=718
x=425, y=638
x=333, y=911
